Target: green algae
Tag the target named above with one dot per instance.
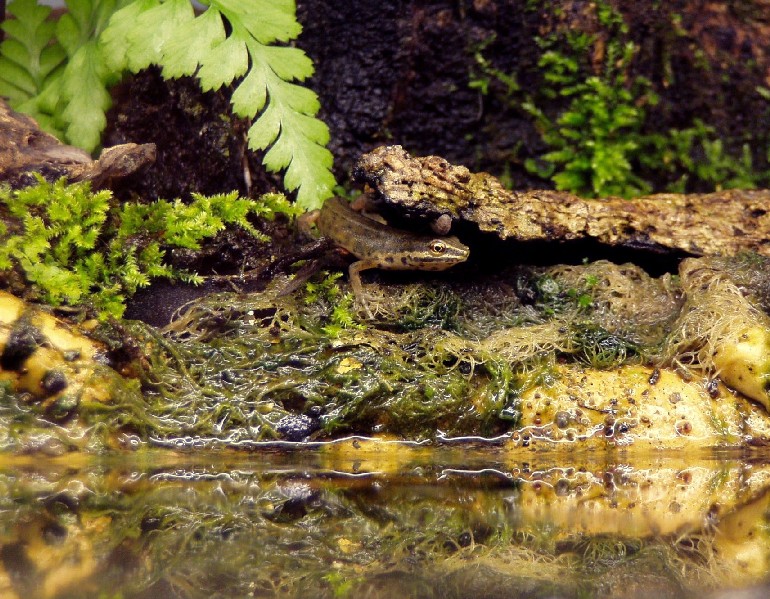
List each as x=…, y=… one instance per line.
x=441, y=360
x=444, y=359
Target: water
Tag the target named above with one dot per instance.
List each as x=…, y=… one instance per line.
x=375, y=519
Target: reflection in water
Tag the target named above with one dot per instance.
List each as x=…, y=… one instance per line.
x=362, y=519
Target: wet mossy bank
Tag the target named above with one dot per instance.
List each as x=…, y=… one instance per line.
x=597, y=355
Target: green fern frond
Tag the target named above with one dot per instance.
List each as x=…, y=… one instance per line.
x=149, y=32
x=55, y=71
x=28, y=57
x=79, y=99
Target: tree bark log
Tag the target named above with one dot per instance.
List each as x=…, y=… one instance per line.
x=722, y=223
x=26, y=149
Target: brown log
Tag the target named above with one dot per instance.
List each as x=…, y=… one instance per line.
x=26, y=149
x=720, y=223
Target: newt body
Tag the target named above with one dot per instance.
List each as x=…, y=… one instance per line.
x=380, y=246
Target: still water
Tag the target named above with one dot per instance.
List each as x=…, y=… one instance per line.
x=377, y=519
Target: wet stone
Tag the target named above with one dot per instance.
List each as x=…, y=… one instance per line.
x=53, y=382
x=22, y=343
x=296, y=427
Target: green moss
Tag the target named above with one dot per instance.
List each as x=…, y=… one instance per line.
x=695, y=155
x=593, y=117
x=340, y=314
x=238, y=369
x=599, y=348
x=234, y=369
x=597, y=135
x=77, y=247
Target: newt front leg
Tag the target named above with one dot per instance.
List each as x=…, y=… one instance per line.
x=354, y=273
x=377, y=245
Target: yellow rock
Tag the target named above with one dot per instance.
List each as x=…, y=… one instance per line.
x=634, y=406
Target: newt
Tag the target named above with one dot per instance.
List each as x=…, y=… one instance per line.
x=376, y=245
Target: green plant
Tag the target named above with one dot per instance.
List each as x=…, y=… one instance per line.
x=59, y=72
x=341, y=316
x=55, y=70
x=485, y=72
x=29, y=60
x=76, y=246
x=589, y=114
x=596, y=139
x=703, y=159
x=592, y=116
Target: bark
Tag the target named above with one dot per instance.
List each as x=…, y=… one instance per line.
x=26, y=149
x=721, y=223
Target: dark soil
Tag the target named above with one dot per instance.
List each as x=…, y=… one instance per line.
x=201, y=146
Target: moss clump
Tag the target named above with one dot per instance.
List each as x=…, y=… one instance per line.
x=79, y=247
x=596, y=118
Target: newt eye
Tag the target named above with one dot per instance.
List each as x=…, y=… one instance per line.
x=437, y=247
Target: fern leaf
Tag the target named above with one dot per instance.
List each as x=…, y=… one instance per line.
x=298, y=142
x=30, y=16
x=152, y=29
x=80, y=93
x=250, y=96
x=288, y=124
x=180, y=56
x=286, y=62
x=168, y=34
x=73, y=27
x=27, y=57
x=15, y=53
x=266, y=129
x=115, y=41
x=309, y=171
x=86, y=20
x=136, y=35
x=16, y=83
x=83, y=92
x=267, y=21
x=226, y=61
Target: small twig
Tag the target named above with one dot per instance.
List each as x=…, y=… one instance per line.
x=278, y=264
